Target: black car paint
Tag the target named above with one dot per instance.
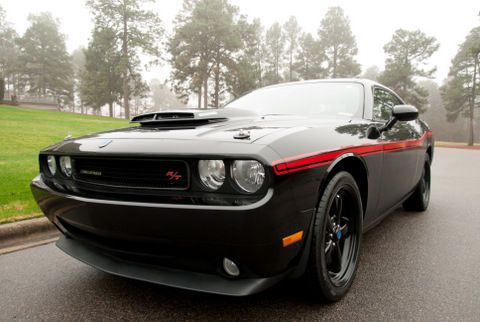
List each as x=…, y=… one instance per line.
x=195, y=237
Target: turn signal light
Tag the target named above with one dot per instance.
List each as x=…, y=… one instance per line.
x=292, y=238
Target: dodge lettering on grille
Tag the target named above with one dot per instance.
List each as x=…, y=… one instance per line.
x=91, y=172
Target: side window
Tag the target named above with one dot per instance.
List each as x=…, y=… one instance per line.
x=383, y=102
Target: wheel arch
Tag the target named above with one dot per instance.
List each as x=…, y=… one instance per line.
x=355, y=165
x=430, y=153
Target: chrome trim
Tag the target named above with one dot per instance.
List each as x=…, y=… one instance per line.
x=38, y=183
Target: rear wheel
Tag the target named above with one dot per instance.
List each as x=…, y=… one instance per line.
x=420, y=198
x=336, y=239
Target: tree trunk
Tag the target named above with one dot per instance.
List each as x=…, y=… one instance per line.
x=277, y=61
x=43, y=79
x=110, y=109
x=2, y=88
x=200, y=96
x=217, y=85
x=205, y=92
x=126, y=102
x=259, y=64
x=9, y=82
x=291, y=63
x=471, y=136
x=334, y=75
x=15, y=84
x=7, y=87
x=307, y=67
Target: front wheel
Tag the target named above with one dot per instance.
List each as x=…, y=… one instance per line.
x=336, y=239
x=420, y=198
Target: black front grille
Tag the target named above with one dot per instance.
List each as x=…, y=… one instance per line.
x=132, y=173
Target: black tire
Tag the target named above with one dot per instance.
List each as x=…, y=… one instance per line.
x=420, y=198
x=334, y=256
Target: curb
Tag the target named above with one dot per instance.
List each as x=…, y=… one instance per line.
x=27, y=233
x=460, y=146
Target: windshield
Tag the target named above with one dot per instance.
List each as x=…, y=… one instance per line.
x=321, y=98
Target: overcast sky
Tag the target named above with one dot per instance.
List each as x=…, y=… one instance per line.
x=372, y=21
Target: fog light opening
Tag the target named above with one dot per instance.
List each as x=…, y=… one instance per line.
x=230, y=267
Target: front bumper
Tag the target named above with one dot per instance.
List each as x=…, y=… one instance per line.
x=188, y=280
x=181, y=245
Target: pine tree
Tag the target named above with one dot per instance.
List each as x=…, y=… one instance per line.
x=78, y=61
x=137, y=31
x=461, y=93
x=45, y=60
x=9, y=53
x=407, y=53
x=274, y=51
x=292, y=32
x=247, y=73
x=372, y=73
x=205, y=48
x=308, y=61
x=101, y=77
x=338, y=44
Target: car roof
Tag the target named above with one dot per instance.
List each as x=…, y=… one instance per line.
x=364, y=81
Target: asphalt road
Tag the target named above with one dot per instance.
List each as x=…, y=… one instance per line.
x=413, y=267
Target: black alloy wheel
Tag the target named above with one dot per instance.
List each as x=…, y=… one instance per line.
x=337, y=237
x=420, y=198
x=340, y=236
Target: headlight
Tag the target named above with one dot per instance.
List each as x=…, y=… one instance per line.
x=248, y=175
x=66, y=165
x=212, y=173
x=52, y=164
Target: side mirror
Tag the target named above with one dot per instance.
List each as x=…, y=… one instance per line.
x=399, y=113
x=405, y=112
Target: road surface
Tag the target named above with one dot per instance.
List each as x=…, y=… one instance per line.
x=413, y=267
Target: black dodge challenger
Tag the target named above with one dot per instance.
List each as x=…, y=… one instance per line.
x=280, y=183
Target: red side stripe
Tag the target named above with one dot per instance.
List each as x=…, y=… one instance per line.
x=319, y=158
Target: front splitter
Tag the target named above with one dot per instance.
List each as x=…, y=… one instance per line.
x=187, y=280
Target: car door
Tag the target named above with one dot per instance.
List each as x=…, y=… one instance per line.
x=399, y=162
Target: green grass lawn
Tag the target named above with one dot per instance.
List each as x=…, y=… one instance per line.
x=23, y=133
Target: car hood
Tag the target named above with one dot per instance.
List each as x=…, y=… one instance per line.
x=227, y=130
x=269, y=136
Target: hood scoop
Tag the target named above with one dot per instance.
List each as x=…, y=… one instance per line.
x=174, y=119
